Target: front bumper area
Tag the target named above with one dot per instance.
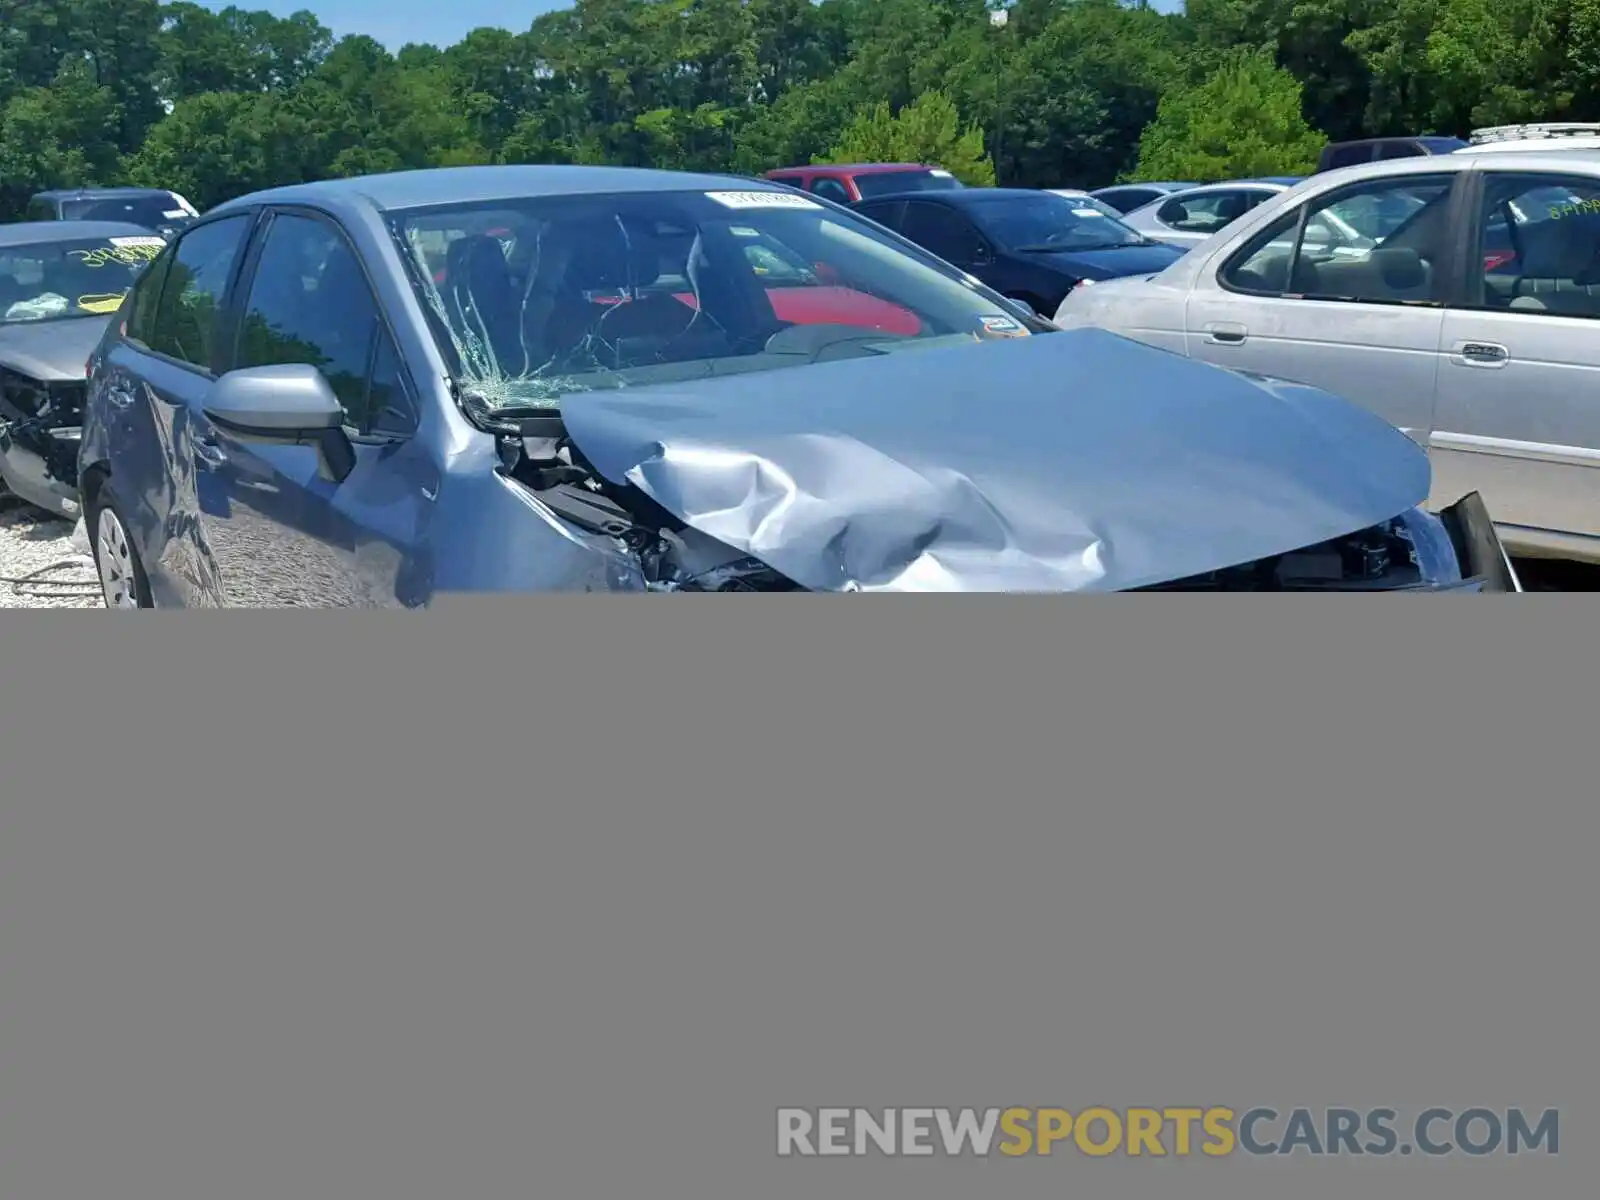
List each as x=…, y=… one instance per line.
x=1485, y=565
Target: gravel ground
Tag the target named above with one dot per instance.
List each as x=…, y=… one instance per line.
x=41, y=551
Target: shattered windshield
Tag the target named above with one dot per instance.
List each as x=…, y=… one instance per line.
x=74, y=277
x=531, y=299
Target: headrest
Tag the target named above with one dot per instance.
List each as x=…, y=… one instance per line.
x=1556, y=249
x=1399, y=267
x=1231, y=208
x=475, y=260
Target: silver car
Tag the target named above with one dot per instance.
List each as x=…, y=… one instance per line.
x=1470, y=321
x=60, y=284
x=1188, y=217
x=1125, y=197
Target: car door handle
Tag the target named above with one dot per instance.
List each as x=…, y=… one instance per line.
x=210, y=454
x=1225, y=333
x=1480, y=354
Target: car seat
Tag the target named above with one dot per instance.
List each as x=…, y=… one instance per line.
x=1560, y=268
x=480, y=297
x=1229, y=210
x=643, y=324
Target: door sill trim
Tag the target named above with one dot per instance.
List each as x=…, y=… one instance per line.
x=1467, y=443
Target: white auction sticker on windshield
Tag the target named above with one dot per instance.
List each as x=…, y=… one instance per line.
x=1000, y=326
x=173, y=214
x=138, y=241
x=1086, y=212
x=761, y=200
x=940, y=173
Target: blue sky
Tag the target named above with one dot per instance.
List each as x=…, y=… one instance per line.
x=396, y=22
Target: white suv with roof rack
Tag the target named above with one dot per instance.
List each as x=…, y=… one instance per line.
x=1568, y=135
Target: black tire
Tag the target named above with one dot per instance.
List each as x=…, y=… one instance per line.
x=105, y=502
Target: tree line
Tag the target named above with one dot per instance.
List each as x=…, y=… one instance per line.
x=1060, y=93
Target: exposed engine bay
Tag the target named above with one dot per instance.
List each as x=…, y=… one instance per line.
x=672, y=556
x=45, y=419
x=1412, y=551
x=1383, y=558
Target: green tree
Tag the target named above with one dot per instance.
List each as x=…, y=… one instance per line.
x=63, y=135
x=1243, y=120
x=928, y=130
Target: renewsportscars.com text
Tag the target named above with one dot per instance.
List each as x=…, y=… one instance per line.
x=1166, y=1132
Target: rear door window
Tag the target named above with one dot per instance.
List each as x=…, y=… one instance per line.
x=185, y=324
x=146, y=301
x=1210, y=211
x=1539, y=244
x=941, y=230
x=884, y=212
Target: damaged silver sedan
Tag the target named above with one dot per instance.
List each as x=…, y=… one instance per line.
x=60, y=283
x=371, y=392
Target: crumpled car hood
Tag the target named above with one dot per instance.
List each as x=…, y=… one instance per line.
x=51, y=351
x=1074, y=461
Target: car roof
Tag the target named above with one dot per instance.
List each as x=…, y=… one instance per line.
x=108, y=193
x=32, y=233
x=1271, y=185
x=475, y=185
x=1565, y=145
x=861, y=168
x=1159, y=184
x=961, y=196
x=1389, y=138
x=1543, y=158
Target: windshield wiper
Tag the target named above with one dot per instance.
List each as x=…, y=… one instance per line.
x=1063, y=248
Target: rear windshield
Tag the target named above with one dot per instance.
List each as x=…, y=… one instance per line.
x=884, y=183
x=48, y=281
x=548, y=295
x=163, y=211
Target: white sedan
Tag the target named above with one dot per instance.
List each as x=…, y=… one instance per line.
x=1187, y=218
x=1467, y=321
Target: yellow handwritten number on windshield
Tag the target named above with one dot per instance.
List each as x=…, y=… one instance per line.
x=128, y=256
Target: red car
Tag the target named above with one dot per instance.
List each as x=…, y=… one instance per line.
x=848, y=182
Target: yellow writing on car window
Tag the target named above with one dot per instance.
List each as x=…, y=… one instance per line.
x=1577, y=208
x=128, y=256
x=107, y=303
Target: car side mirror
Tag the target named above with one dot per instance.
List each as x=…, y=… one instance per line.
x=287, y=404
x=1024, y=306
